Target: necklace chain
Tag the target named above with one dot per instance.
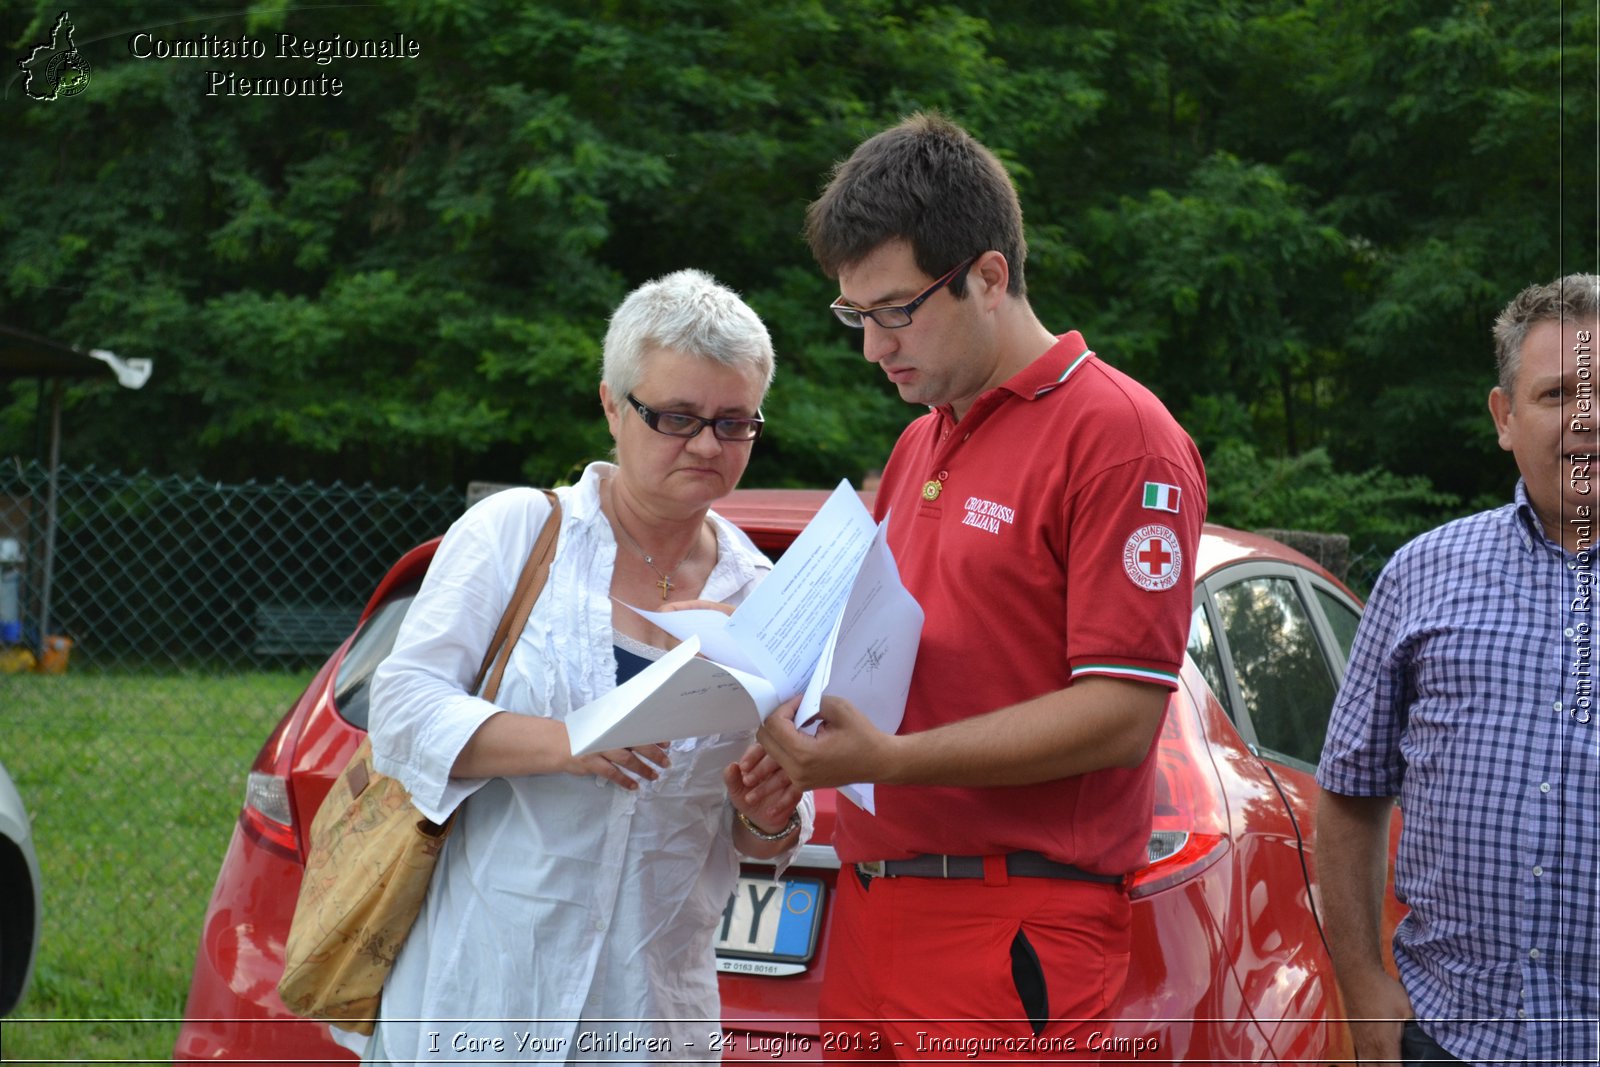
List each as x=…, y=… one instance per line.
x=664, y=580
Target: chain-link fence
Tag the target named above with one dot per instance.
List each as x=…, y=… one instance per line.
x=1365, y=566
x=142, y=571
x=196, y=612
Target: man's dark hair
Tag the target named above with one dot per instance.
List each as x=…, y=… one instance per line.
x=926, y=181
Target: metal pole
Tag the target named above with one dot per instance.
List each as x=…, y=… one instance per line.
x=50, y=516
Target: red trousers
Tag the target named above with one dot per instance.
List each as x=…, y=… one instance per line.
x=961, y=969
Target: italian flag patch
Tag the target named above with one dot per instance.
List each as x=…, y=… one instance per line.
x=1159, y=496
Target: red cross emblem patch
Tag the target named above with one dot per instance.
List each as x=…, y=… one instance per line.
x=1152, y=558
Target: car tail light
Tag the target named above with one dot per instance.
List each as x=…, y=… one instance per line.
x=267, y=817
x=1189, y=831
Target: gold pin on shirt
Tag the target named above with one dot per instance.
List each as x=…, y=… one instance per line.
x=931, y=489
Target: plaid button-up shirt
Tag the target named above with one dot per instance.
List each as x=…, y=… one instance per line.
x=1471, y=696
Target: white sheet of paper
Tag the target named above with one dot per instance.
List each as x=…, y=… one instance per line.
x=679, y=695
x=861, y=794
x=780, y=630
x=793, y=610
x=870, y=653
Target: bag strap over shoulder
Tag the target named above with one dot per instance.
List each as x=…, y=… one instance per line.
x=529, y=585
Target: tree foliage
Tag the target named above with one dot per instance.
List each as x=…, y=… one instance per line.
x=1294, y=220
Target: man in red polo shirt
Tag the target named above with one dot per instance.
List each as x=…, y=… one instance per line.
x=1045, y=514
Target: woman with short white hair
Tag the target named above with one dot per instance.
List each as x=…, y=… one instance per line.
x=573, y=910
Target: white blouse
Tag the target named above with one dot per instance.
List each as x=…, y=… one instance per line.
x=568, y=918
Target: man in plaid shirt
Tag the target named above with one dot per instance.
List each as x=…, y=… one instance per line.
x=1470, y=697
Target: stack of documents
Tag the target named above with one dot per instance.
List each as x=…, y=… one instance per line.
x=832, y=619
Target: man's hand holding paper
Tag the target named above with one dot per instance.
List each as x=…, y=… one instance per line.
x=842, y=745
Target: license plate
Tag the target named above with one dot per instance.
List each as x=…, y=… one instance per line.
x=769, y=927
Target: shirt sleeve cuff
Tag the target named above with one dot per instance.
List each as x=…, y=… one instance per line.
x=1164, y=675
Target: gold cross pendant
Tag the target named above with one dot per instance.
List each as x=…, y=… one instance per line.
x=665, y=585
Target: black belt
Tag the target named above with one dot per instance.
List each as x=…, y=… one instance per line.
x=1019, y=864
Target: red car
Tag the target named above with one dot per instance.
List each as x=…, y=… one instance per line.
x=1229, y=962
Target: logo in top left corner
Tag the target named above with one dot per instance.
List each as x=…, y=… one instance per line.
x=55, y=68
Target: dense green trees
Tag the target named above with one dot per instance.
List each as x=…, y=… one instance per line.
x=1294, y=220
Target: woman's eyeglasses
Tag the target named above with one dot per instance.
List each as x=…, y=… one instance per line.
x=681, y=424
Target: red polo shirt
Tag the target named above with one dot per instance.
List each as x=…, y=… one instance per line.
x=1048, y=535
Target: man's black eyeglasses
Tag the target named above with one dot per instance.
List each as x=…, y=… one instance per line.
x=681, y=424
x=894, y=316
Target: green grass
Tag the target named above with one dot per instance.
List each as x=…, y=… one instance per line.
x=133, y=784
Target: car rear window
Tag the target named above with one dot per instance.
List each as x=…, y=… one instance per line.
x=351, y=685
